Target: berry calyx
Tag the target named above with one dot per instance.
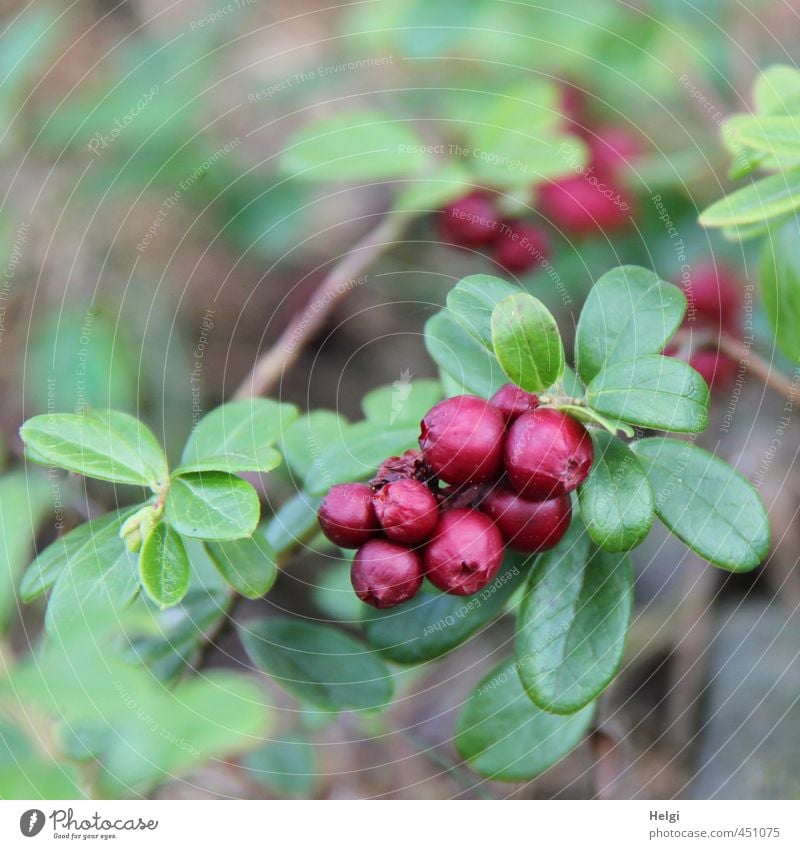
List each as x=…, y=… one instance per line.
x=528, y=526
x=462, y=440
x=470, y=221
x=346, y=515
x=465, y=554
x=385, y=574
x=520, y=246
x=513, y=401
x=407, y=510
x=410, y=465
x=584, y=204
x=547, y=453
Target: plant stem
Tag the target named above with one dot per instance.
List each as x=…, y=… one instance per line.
x=338, y=281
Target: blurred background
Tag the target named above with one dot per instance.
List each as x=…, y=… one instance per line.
x=155, y=242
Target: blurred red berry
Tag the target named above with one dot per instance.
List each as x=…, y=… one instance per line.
x=585, y=204
x=346, y=515
x=513, y=401
x=527, y=525
x=613, y=149
x=470, y=221
x=716, y=297
x=385, y=574
x=717, y=369
x=521, y=246
x=407, y=510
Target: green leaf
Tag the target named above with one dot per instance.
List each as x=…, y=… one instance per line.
x=433, y=623
x=778, y=136
x=318, y=664
x=572, y=623
x=472, y=301
x=527, y=342
x=164, y=566
x=402, y=402
x=100, y=444
x=706, y=503
x=616, y=500
x=780, y=287
x=652, y=391
x=768, y=198
x=86, y=541
x=100, y=575
x=429, y=193
x=360, y=145
x=505, y=737
x=248, y=564
x=589, y=416
x=461, y=356
x=362, y=448
x=306, y=439
x=628, y=312
x=777, y=90
x=212, y=505
x=237, y=437
x=287, y=765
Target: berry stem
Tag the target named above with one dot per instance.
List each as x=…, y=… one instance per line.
x=337, y=282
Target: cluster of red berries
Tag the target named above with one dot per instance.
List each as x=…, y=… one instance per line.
x=488, y=474
x=715, y=298
x=591, y=200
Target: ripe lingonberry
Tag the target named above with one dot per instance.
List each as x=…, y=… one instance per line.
x=547, y=453
x=581, y=205
x=526, y=525
x=346, y=515
x=521, y=246
x=715, y=295
x=384, y=573
x=465, y=553
x=407, y=510
x=470, y=221
x=717, y=369
x=613, y=149
x=513, y=401
x=462, y=439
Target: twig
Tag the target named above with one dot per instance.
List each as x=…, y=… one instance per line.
x=339, y=280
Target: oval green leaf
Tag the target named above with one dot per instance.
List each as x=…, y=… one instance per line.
x=164, y=566
x=706, y=503
x=774, y=195
x=652, y=391
x=212, y=505
x=473, y=299
x=247, y=564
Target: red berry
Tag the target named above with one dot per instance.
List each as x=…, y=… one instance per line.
x=385, y=574
x=572, y=103
x=526, y=525
x=717, y=369
x=465, y=553
x=547, y=454
x=462, y=439
x=513, y=401
x=470, y=221
x=584, y=204
x=521, y=246
x=715, y=295
x=613, y=149
x=347, y=516
x=407, y=510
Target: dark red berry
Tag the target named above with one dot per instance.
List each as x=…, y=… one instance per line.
x=462, y=439
x=521, y=246
x=527, y=525
x=584, y=204
x=715, y=297
x=513, y=401
x=717, y=369
x=465, y=553
x=470, y=221
x=407, y=510
x=547, y=454
x=384, y=573
x=347, y=516
x=613, y=149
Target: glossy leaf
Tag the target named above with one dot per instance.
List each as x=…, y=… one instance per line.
x=616, y=500
x=248, y=564
x=100, y=444
x=317, y=663
x=629, y=312
x=164, y=566
x=780, y=286
x=472, y=301
x=405, y=401
x=572, y=623
x=304, y=441
x=652, y=391
x=237, y=437
x=778, y=136
x=527, y=342
x=212, y=505
x=767, y=198
x=505, y=737
x=706, y=503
